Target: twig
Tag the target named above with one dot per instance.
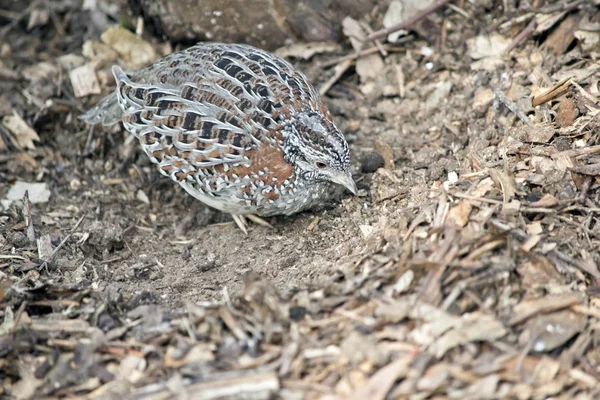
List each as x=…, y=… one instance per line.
x=9, y=14
x=459, y=11
x=19, y=315
x=582, y=151
x=476, y=198
x=559, y=89
x=585, y=188
x=579, y=226
x=350, y=57
x=409, y=22
x=139, y=27
x=400, y=79
x=585, y=93
x=60, y=29
x=88, y=142
x=62, y=243
x=17, y=20
x=522, y=35
x=378, y=44
x=554, y=252
x=339, y=71
x=512, y=106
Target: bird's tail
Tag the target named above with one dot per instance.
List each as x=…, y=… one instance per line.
x=107, y=111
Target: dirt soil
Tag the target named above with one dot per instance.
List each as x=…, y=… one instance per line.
x=467, y=265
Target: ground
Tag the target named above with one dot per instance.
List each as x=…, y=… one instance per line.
x=466, y=266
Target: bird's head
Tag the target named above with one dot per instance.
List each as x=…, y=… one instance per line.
x=318, y=151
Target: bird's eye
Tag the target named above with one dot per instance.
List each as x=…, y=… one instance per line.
x=321, y=165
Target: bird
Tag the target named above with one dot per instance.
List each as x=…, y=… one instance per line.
x=239, y=128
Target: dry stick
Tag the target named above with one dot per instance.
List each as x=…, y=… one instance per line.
x=559, y=89
x=584, y=92
x=18, y=317
x=522, y=35
x=476, y=198
x=27, y=218
x=351, y=57
x=378, y=44
x=512, y=106
x=55, y=21
x=62, y=243
x=582, y=151
x=139, y=27
x=17, y=20
x=585, y=188
x=339, y=71
x=459, y=11
x=9, y=14
x=409, y=22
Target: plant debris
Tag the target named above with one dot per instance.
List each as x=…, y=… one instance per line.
x=465, y=267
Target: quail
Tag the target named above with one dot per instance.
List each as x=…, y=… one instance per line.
x=240, y=129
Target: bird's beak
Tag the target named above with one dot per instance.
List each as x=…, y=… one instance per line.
x=345, y=179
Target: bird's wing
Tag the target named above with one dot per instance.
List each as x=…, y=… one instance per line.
x=209, y=115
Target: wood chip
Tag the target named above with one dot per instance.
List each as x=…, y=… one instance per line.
x=84, y=81
x=529, y=308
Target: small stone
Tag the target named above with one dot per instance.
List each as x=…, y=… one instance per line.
x=297, y=313
x=371, y=162
x=75, y=184
x=141, y=196
x=5, y=51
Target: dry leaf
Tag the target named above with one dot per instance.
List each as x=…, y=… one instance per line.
x=482, y=99
x=487, y=50
x=38, y=17
x=547, y=21
x=98, y=52
x=378, y=385
x=393, y=16
x=589, y=40
x=561, y=38
x=567, y=113
x=547, y=201
x=487, y=46
x=354, y=31
x=472, y=327
x=23, y=133
x=533, y=134
x=369, y=67
x=538, y=371
x=484, y=388
x=459, y=215
x=136, y=52
x=538, y=272
x=366, y=230
x=132, y=368
x=506, y=182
